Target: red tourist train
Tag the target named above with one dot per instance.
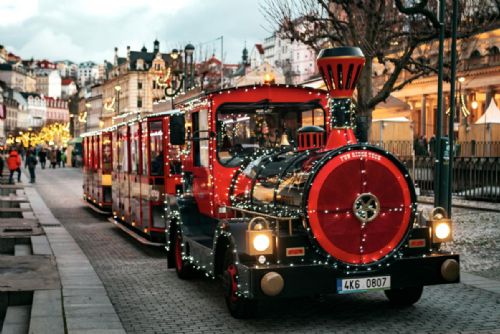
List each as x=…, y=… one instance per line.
x=267, y=187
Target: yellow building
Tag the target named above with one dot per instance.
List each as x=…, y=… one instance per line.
x=478, y=81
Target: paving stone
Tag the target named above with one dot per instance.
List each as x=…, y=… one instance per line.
x=149, y=298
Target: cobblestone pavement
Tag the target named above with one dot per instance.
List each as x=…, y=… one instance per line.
x=151, y=299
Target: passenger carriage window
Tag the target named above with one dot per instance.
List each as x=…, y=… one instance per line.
x=123, y=150
x=203, y=127
x=144, y=148
x=106, y=153
x=247, y=129
x=156, y=147
x=134, y=148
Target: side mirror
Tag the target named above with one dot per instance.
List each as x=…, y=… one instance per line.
x=177, y=130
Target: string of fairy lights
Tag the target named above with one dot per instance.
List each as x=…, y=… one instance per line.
x=235, y=187
x=239, y=191
x=56, y=134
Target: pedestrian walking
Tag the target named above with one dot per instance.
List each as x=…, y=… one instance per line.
x=42, y=157
x=53, y=158
x=63, y=158
x=58, y=157
x=14, y=164
x=1, y=163
x=31, y=164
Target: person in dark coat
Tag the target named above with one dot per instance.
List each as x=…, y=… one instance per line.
x=53, y=158
x=2, y=163
x=31, y=164
x=58, y=157
x=42, y=157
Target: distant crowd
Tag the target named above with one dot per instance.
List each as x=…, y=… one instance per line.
x=14, y=157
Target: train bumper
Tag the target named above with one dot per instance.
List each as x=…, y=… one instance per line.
x=271, y=281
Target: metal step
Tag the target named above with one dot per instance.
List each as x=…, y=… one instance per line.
x=22, y=250
x=17, y=320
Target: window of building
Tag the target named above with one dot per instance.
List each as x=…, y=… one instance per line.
x=139, y=85
x=139, y=102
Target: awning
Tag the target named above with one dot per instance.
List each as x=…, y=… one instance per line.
x=76, y=140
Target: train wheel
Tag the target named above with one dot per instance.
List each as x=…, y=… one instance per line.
x=405, y=296
x=238, y=306
x=182, y=267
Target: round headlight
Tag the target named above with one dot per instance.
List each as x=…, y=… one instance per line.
x=261, y=242
x=442, y=231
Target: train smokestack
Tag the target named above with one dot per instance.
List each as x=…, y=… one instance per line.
x=340, y=68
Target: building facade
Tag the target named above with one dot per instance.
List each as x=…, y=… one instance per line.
x=17, y=77
x=135, y=83
x=478, y=82
x=56, y=110
x=49, y=84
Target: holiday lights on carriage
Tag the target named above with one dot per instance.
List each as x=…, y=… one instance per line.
x=284, y=201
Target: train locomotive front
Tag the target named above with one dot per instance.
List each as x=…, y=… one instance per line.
x=325, y=215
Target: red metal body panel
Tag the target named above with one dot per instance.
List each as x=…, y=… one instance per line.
x=330, y=207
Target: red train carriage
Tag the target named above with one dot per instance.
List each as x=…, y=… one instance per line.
x=97, y=158
x=144, y=171
x=279, y=200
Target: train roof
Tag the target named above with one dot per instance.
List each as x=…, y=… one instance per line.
x=137, y=119
x=211, y=93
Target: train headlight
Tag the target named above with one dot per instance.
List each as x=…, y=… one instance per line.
x=443, y=231
x=259, y=238
x=441, y=226
x=261, y=242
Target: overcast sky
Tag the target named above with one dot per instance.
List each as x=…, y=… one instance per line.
x=81, y=30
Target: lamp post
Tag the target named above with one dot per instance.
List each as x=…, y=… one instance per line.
x=188, y=66
x=181, y=76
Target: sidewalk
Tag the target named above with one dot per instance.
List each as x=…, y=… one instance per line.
x=86, y=305
x=466, y=204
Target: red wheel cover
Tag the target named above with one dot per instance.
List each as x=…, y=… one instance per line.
x=330, y=206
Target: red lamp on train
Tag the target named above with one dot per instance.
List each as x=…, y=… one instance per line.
x=340, y=68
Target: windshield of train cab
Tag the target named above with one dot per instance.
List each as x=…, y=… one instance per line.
x=247, y=129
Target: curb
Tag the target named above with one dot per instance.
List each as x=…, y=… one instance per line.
x=87, y=307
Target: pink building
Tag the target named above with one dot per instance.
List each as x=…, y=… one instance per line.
x=57, y=110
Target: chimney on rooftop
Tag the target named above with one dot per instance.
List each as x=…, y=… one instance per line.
x=116, y=56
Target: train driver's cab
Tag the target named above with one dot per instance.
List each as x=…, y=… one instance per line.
x=244, y=130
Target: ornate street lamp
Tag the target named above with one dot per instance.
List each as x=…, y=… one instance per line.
x=188, y=66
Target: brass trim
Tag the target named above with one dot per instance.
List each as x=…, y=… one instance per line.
x=366, y=207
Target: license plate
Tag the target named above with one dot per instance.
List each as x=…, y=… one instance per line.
x=351, y=285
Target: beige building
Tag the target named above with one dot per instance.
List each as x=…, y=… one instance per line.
x=134, y=84
x=95, y=108
x=16, y=77
x=478, y=81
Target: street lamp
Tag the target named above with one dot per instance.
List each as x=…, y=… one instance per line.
x=474, y=105
x=188, y=71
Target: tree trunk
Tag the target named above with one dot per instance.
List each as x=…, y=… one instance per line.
x=365, y=93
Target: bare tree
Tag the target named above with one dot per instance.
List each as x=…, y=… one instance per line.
x=390, y=32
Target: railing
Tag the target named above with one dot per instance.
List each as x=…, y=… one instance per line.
x=473, y=178
x=473, y=149
x=478, y=149
x=400, y=148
